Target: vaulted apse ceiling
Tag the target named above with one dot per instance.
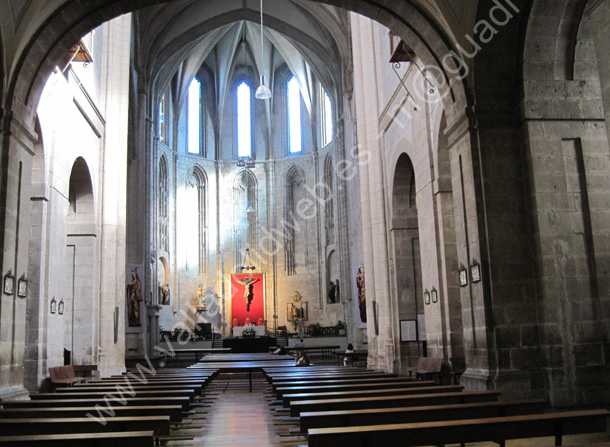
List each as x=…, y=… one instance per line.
x=174, y=40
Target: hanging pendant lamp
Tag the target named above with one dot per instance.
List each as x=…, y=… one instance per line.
x=262, y=92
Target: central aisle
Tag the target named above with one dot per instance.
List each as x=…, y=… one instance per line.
x=235, y=417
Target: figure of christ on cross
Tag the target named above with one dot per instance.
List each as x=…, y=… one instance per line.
x=248, y=289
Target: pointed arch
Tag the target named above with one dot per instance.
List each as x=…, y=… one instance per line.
x=197, y=221
x=245, y=212
x=329, y=200
x=295, y=224
x=163, y=204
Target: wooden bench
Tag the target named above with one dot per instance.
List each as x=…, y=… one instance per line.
x=190, y=393
x=64, y=375
x=183, y=401
x=198, y=388
x=398, y=415
x=330, y=376
x=173, y=411
x=159, y=425
x=393, y=401
x=497, y=429
x=338, y=386
x=427, y=368
x=289, y=399
x=346, y=381
x=126, y=439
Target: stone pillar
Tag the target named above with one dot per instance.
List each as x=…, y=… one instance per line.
x=113, y=184
x=16, y=162
x=599, y=10
x=372, y=192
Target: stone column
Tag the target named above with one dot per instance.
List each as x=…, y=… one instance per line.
x=16, y=161
x=372, y=195
x=113, y=184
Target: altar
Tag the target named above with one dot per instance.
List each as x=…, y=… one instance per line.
x=237, y=330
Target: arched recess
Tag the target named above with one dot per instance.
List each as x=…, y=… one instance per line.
x=245, y=214
x=333, y=286
x=163, y=278
x=296, y=226
x=81, y=306
x=196, y=220
x=404, y=231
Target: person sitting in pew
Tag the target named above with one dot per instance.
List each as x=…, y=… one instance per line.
x=281, y=350
x=349, y=350
x=302, y=359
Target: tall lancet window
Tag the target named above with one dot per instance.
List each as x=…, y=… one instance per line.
x=244, y=120
x=163, y=205
x=162, y=112
x=193, y=113
x=196, y=222
x=326, y=117
x=294, y=225
x=294, y=116
x=329, y=202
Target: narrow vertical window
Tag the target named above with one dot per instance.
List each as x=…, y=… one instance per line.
x=163, y=202
x=194, y=117
x=294, y=116
x=162, y=118
x=244, y=121
x=327, y=118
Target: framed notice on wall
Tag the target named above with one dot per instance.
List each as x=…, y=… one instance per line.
x=408, y=330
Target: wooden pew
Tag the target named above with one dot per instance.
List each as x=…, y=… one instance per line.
x=159, y=425
x=332, y=381
x=288, y=399
x=183, y=401
x=198, y=388
x=374, y=416
x=497, y=429
x=427, y=368
x=339, y=386
x=190, y=393
x=331, y=376
x=64, y=375
x=173, y=411
x=125, y=439
x=393, y=401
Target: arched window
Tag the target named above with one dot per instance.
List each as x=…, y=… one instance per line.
x=326, y=117
x=294, y=115
x=162, y=132
x=196, y=223
x=329, y=213
x=244, y=120
x=193, y=115
x=163, y=202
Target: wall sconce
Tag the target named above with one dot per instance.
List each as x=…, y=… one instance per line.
x=475, y=271
x=9, y=283
x=22, y=286
x=434, y=295
x=53, y=305
x=60, y=307
x=463, y=276
x=246, y=162
x=427, y=297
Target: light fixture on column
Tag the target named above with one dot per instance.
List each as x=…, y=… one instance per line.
x=246, y=162
x=262, y=92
